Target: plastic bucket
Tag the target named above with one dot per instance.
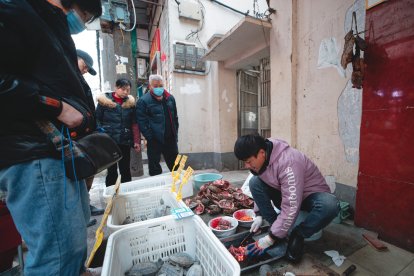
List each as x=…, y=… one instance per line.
x=201, y=179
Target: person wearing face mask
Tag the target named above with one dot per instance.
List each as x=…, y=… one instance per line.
x=39, y=80
x=158, y=121
x=115, y=113
x=85, y=64
x=292, y=182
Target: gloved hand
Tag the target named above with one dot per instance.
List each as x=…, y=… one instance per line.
x=259, y=248
x=256, y=224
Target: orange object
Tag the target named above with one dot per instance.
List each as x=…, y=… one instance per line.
x=246, y=218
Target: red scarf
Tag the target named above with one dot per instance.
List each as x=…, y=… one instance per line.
x=120, y=101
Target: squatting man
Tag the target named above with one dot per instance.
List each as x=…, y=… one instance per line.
x=287, y=178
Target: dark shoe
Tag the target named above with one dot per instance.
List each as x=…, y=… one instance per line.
x=295, y=247
x=96, y=211
x=91, y=222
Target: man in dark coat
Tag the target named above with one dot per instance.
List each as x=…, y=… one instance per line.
x=85, y=65
x=39, y=80
x=158, y=122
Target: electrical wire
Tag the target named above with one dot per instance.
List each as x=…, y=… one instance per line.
x=255, y=3
x=195, y=34
x=230, y=8
x=192, y=33
x=123, y=27
x=123, y=38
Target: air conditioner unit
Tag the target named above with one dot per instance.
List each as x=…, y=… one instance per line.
x=200, y=65
x=190, y=10
x=190, y=57
x=179, y=56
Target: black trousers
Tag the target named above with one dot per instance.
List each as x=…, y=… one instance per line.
x=124, y=167
x=154, y=150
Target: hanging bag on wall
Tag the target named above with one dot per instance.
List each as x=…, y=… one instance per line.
x=84, y=157
x=357, y=77
x=352, y=38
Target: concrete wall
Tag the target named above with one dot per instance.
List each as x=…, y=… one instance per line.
x=314, y=109
x=207, y=104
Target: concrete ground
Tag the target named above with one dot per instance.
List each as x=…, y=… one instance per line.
x=344, y=238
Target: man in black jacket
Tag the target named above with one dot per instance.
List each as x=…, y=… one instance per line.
x=158, y=122
x=39, y=80
x=85, y=65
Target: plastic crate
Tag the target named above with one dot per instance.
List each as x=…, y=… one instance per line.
x=162, y=180
x=140, y=203
x=162, y=237
x=158, y=181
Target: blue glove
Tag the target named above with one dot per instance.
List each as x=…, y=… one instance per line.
x=259, y=248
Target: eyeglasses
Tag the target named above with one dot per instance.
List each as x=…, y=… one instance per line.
x=86, y=16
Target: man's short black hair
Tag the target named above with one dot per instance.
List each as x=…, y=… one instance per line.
x=94, y=7
x=120, y=83
x=249, y=145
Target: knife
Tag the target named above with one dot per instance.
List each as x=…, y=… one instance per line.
x=251, y=234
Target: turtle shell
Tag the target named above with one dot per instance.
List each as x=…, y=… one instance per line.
x=195, y=270
x=144, y=269
x=127, y=220
x=170, y=269
x=182, y=259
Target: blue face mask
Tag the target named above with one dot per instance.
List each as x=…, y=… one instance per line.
x=76, y=25
x=158, y=91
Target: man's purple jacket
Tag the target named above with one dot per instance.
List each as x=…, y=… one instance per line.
x=296, y=176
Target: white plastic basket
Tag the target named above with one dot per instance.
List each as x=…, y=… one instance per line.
x=140, y=203
x=162, y=237
x=158, y=181
x=126, y=188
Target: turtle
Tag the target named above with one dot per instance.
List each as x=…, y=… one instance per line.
x=195, y=270
x=213, y=209
x=144, y=269
x=127, y=220
x=205, y=201
x=167, y=210
x=182, y=259
x=161, y=210
x=170, y=269
x=191, y=204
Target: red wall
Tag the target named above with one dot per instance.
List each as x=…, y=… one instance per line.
x=385, y=192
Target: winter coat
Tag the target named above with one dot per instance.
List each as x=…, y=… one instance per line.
x=116, y=119
x=150, y=116
x=296, y=176
x=38, y=69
